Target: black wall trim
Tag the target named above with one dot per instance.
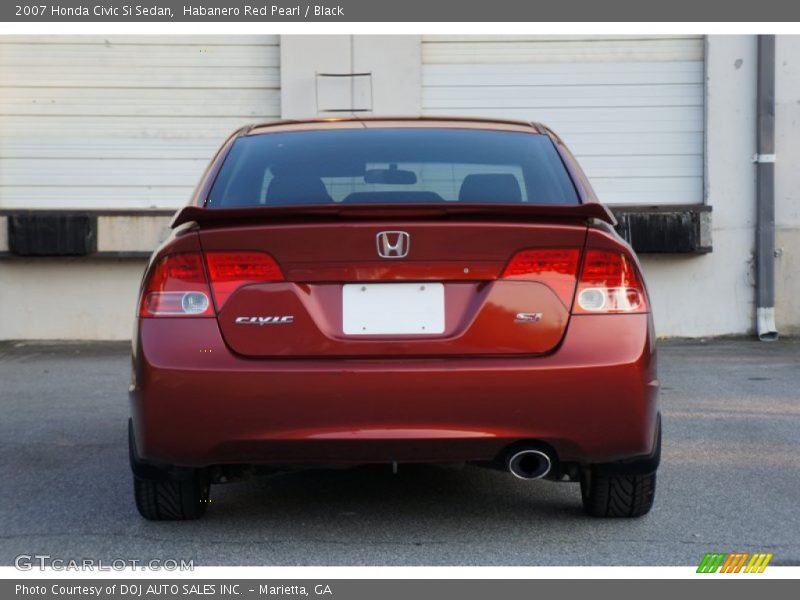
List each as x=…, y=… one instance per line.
x=672, y=229
x=52, y=234
x=103, y=212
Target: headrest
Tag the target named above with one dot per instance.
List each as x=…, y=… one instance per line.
x=490, y=187
x=297, y=189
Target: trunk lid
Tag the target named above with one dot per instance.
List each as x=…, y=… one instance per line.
x=340, y=298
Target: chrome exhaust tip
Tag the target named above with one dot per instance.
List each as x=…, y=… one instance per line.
x=529, y=464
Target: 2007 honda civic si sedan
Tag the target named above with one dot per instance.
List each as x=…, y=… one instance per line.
x=409, y=290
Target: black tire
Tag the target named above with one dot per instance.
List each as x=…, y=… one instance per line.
x=172, y=499
x=617, y=495
x=162, y=497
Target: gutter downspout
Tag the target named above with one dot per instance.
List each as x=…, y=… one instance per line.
x=765, y=191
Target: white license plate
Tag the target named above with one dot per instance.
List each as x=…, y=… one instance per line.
x=393, y=308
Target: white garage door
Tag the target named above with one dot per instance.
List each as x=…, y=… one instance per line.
x=124, y=121
x=630, y=108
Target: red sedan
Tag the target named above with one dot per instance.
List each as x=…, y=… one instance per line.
x=394, y=291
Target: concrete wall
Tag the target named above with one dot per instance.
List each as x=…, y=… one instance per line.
x=713, y=294
x=68, y=299
x=717, y=292
x=787, y=184
x=394, y=61
x=79, y=298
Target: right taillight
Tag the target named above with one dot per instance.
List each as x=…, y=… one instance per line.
x=609, y=283
x=555, y=267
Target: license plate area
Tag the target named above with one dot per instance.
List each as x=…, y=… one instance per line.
x=393, y=309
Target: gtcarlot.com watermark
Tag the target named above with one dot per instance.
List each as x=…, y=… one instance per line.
x=42, y=562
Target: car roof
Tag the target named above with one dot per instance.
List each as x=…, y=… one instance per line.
x=354, y=122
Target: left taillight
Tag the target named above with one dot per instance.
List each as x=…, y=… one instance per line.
x=609, y=283
x=177, y=287
x=181, y=285
x=231, y=270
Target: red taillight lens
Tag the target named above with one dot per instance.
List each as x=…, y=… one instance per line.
x=536, y=262
x=609, y=283
x=556, y=267
x=177, y=287
x=229, y=271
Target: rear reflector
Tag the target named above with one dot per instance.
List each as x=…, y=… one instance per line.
x=177, y=287
x=609, y=283
x=176, y=303
x=555, y=267
x=229, y=271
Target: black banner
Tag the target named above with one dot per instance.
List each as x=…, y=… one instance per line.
x=384, y=589
x=406, y=11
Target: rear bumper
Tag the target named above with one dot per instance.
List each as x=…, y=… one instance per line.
x=195, y=403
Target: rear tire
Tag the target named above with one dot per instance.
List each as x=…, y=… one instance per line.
x=617, y=496
x=164, y=495
x=172, y=499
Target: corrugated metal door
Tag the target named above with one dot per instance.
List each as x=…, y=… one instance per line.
x=124, y=121
x=630, y=108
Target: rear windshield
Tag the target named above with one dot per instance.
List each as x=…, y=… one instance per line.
x=380, y=166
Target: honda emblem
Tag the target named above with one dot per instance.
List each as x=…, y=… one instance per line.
x=393, y=244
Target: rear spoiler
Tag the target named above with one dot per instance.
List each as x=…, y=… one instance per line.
x=522, y=212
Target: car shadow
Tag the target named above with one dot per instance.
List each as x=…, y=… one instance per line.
x=374, y=491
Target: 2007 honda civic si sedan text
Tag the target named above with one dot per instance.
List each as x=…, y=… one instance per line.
x=394, y=291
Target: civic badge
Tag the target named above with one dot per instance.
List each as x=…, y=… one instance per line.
x=528, y=318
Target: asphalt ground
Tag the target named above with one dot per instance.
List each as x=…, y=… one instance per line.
x=729, y=480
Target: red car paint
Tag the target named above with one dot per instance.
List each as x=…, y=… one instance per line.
x=208, y=391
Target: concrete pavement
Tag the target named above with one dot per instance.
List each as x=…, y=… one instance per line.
x=730, y=480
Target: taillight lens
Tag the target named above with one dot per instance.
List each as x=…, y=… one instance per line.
x=229, y=271
x=556, y=267
x=177, y=287
x=609, y=283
